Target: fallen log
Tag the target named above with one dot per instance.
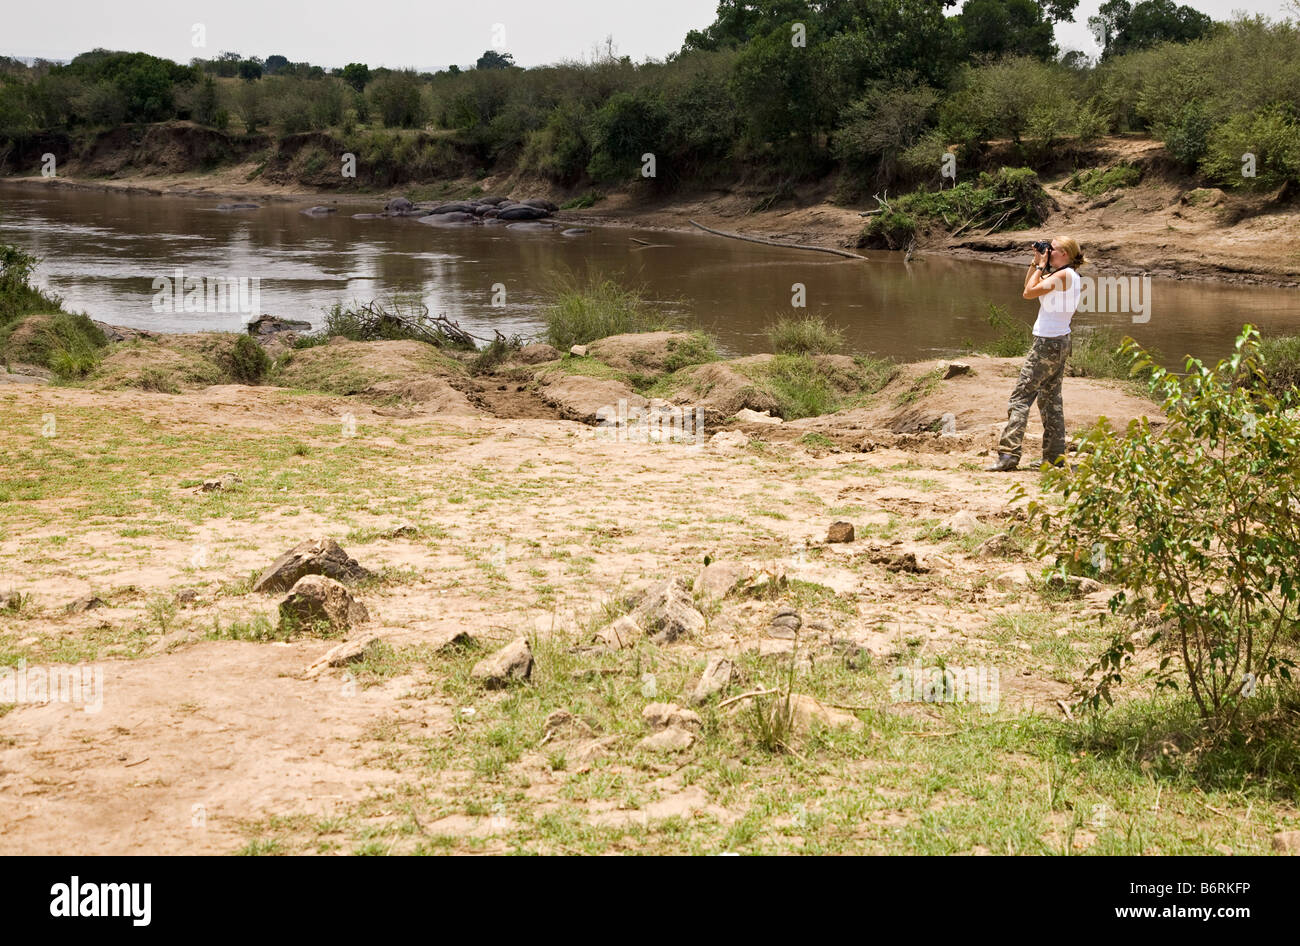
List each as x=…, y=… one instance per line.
x=791, y=246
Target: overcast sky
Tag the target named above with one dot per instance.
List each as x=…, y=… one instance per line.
x=399, y=33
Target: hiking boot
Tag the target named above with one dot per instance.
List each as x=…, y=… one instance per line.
x=1057, y=462
x=1006, y=462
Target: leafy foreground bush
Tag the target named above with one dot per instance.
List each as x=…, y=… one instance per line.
x=18, y=297
x=1200, y=517
x=246, y=361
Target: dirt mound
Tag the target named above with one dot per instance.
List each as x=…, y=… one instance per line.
x=388, y=372
x=722, y=390
x=645, y=352
x=580, y=398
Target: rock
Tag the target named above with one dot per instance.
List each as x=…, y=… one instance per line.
x=667, y=612
x=578, y=351
x=725, y=389
x=186, y=596
x=85, y=603
x=952, y=369
x=995, y=546
x=806, y=712
x=716, y=580
x=906, y=562
x=561, y=724
x=537, y=353
x=221, y=484
x=716, y=678
x=840, y=532
x=668, y=740
x=746, y=416
x=402, y=529
x=270, y=325
x=963, y=522
x=346, y=653
x=510, y=664
x=315, y=598
x=1287, y=842
x=315, y=557
x=319, y=211
x=729, y=440
x=667, y=715
x=1075, y=584
x=122, y=333
x=1013, y=578
x=620, y=633
x=7, y=378
x=785, y=624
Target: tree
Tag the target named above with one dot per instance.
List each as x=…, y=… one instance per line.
x=275, y=63
x=250, y=69
x=1121, y=27
x=356, y=74
x=491, y=59
x=1002, y=27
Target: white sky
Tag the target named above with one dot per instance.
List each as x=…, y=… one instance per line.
x=429, y=35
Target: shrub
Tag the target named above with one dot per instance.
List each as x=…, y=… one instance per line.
x=1281, y=359
x=889, y=230
x=1013, y=336
x=1093, y=182
x=1199, y=517
x=18, y=297
x=1270, y=135
x=804, y=335
x=1186, y=137
x=66, y=344
x=581, y=312
x=1095, y=353
x=246, y=361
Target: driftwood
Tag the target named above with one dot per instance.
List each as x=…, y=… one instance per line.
x=375, y=320
x=792, y=246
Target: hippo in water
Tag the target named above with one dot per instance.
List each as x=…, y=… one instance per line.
x=238, y=206
x=540, y=204
x=398, y=206
x=447, y=219
x=320, y=211
x=522, y=212
x=455, y=206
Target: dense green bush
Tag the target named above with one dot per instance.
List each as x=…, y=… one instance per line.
x=246, y=361
x=804, y=335
x=581, y=311
x=1271, y=135
x=18, y=297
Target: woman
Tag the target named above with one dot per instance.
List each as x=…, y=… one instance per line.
x=1054, y=281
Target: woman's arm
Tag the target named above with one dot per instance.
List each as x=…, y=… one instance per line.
x=1038, y=285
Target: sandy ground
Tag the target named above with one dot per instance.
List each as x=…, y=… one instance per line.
x=199, y=737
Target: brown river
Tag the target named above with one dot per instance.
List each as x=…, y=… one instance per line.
x=105, y=252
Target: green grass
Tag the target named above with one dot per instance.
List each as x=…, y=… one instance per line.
x=1093, y=182
x=1281, y=356
x=581, y=311
x=803, y=387
x=804, y=335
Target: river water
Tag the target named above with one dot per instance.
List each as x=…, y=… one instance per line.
x=103, y=252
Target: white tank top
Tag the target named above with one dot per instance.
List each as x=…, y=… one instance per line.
x=1057, y=307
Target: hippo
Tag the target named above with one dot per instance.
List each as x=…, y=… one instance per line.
x=455, y=206
x=238, y=206
x=398, y=206
x=369, y=216
x=491, y=213
x=540, y=204
x=522, y=212
x=493, y=201
x=320, y=211
x=574, y=231
x=532, y=225
x=455, y=216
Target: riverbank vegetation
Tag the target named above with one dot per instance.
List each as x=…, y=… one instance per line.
x=874, y=95
x=35, y=329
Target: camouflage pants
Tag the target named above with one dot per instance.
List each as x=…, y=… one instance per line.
x=1040, y=378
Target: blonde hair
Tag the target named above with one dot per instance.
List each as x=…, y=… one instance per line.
x=1071, y=247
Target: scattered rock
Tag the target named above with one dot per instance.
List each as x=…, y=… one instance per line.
x=578, y=351
x=85, y=603
x=620, y=633
x=668, y=740
x=952, y=369
x=669, y=715
x=963, y=522
x=344, y=654
x=402, y=529
x=805, y=712
x=1015, y=577
x=1075, y=584
x=785, y=624
x=996, y=546
x=716, y=678
x=561, y=724
x=667, y=612
x=537, y=353
x=589, y=751
x=315, y=598
x=511, y=663
x=840, y=532
x=221, y=484
x=729, y=440
x=321, y=556
x=123, y=333
x=746, y=416
x=1287, y=842
x=186, y=596
x=717, y=579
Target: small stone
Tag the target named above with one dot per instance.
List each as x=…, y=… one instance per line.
x=315, y=557
x=1013, y=578
x=85, y=603
x=578, y=351
x=747, y=416
x=344, y=654
x=717, y=579
x=187, y=596
x=840, y=532
x=511, y=663
x=954, y=368
x=1287, y=842
x=621, y=633
x=669, y=715
x=561, y=724
x=716, y=678
x=315, y=599
x=226, y=481
x=995, y=546
x=667, y=612
x=402, y=529
x=805, y=712
x=668, y=740
x=537, y=353
x=963, y=522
